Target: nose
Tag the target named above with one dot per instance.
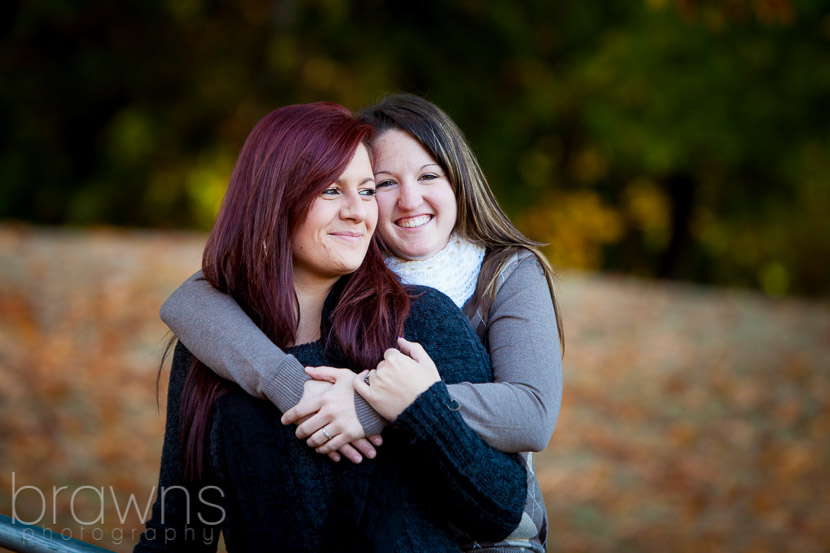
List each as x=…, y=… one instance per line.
x=354, y=208
x=410, y=196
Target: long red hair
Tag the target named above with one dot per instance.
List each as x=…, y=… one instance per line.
x=290, y=157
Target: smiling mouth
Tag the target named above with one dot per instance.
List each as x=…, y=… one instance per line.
x=414, y=222
x=351, y=236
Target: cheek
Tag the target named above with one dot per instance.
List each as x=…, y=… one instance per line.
x=452, y=207
x=372, y=216
x=385, y=205
x=444, y=203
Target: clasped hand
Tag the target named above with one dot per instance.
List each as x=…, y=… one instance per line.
x=327, y=406
x=403, y=375
x=326, y=416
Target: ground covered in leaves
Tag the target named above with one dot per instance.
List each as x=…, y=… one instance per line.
x=694, y=419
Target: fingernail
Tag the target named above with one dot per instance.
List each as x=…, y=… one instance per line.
x=371, y=455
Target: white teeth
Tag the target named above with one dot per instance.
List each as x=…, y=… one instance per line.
x=415, y=221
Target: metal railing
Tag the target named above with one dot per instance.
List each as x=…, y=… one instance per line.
x=26, y=538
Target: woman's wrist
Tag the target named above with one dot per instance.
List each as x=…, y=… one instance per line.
x=371, y=421
x=288, y=385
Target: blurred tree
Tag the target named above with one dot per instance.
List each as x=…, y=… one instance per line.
x=715, y=106
x=684, y=139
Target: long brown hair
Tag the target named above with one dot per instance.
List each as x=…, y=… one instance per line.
x=287, y=161
x=480, y=219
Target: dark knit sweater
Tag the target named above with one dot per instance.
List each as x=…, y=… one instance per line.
x=268, y=491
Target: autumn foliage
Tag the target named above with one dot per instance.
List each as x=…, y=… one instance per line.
x=694, y=419
x=683, y=139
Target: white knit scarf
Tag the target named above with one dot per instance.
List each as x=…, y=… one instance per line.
x=453, y=270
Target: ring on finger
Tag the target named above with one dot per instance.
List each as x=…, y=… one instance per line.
x=327, y=435
x=366, y=379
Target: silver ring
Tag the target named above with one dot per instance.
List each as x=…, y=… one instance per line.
x=326, y=434
x=366, y=379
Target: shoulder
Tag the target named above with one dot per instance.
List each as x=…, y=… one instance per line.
x=523, y=291
x=522, y=265
x=426, y=300
x=522, y=278
x=441, y=328
x=433, y=313
x=181, y=355
x=181, y=365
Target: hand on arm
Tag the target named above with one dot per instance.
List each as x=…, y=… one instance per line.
x=401, y=376
x=222, y=336
x=328, y=404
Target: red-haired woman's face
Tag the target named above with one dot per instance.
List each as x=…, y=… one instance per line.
x=334, y=238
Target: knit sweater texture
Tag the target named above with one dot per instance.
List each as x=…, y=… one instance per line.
x=515, y=413
x=267, y=491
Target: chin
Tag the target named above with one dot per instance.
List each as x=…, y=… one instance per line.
x=405, y=249
x=417, y=254
x=347, y=268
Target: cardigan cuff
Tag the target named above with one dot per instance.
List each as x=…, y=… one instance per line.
x=286, y=387
x=371, y=421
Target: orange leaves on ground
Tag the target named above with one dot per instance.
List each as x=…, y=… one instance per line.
x=694, y=419
x=698, y=415
x=80, y=342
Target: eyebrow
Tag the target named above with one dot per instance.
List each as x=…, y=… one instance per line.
x=420, y=169
x=341, y=182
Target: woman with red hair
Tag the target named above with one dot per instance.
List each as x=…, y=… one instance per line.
x=440, y=226
x=294, y=246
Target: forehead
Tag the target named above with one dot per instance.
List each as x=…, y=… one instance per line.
x=395, y=148
x=360, y=165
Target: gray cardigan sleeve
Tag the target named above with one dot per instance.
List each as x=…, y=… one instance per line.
x=518, y=411
x=219, y=333
x=222, y=336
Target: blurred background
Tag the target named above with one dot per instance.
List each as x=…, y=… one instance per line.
x=674, y=154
